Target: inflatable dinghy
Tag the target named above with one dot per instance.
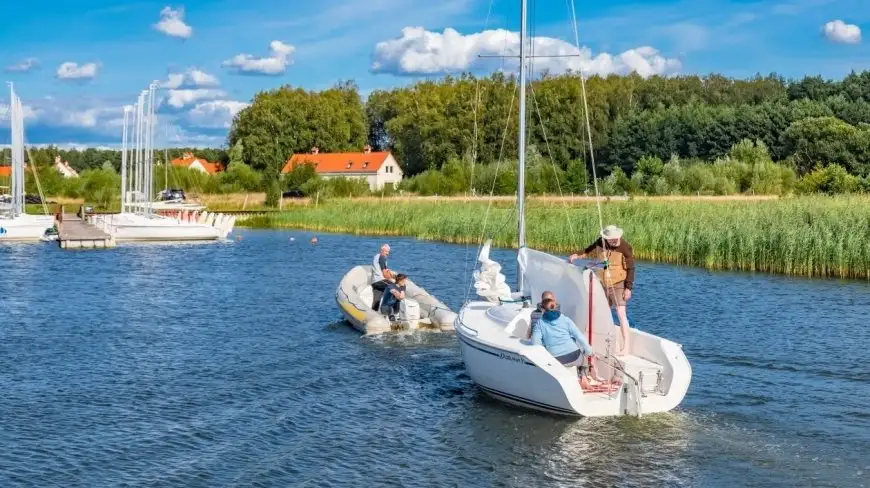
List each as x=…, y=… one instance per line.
x=419, y=310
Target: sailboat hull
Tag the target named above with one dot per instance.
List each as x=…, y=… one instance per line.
x=142, y=228
x=509, y=368
x=24, y=228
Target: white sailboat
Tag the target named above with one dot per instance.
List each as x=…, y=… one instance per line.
x=15, y=223
x=138, y=220
x=493, y=331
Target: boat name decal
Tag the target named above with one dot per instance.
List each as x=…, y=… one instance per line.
x=510, y=357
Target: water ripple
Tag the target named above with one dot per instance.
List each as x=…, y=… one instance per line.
x=228, y=365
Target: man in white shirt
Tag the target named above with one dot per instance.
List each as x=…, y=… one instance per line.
x=380, y=274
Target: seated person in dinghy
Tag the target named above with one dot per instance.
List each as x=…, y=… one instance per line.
x=561, y=337
x=394, y=295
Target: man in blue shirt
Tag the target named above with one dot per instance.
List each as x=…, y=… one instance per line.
x=539, y=311
x=561, y=337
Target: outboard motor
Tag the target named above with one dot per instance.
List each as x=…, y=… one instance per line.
x=410, y=309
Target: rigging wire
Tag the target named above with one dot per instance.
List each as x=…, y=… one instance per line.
x=586, y=116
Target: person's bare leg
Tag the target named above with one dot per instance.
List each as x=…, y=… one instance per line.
x=624, y=328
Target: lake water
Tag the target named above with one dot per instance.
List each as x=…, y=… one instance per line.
x=228, y=365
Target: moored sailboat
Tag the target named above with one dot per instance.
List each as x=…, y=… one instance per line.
x=15, y=223
x=139, y=219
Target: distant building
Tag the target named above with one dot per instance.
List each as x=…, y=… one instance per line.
x=377, y=168
x=188, y=160
x=5, y=171
x=64, y=168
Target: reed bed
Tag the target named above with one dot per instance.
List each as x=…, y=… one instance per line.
x=810, y=236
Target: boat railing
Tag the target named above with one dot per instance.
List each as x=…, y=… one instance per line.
x=460, y=323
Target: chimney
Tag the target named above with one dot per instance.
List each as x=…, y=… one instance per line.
x=315, y=150
x=367, y=149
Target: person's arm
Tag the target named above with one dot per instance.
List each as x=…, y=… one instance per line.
x=581, y=341
x=382, y=263
x=537, y=335
x=628, y=252
x=591, y=247
x=582, y=254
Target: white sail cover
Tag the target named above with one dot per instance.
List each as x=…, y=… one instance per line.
x=489, y=282
x=543, y=272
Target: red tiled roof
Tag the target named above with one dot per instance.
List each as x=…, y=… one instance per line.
x=339, y=162
x=188, y=159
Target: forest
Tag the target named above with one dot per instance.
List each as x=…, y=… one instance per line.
x=659, y=135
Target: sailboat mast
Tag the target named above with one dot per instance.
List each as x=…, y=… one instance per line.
x=124, y=159
x=521, y=146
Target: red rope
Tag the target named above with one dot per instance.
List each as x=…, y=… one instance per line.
x=589, y=327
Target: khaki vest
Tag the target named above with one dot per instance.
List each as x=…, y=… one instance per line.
x=615, y=272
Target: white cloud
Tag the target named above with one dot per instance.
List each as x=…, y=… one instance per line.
x=184, y=97
x=193, y=77
x=85, y=118
x=201, y=78
x=421, y=52
x=97, y=121
x=172, y=23
x=841, y=32
x=273, y=65
x=24, y=66
x=215, y=114
x=175, y=80
x=73, y=71
x=29, y=112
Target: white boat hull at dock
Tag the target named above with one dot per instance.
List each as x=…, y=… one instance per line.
x=25, y=228
x=130, y=227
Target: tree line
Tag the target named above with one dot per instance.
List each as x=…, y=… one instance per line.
x=464, y=124
x=806, y=125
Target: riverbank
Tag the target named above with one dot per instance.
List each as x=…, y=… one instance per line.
x=810, y=236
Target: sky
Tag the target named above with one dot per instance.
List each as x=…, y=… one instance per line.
x=76, y=65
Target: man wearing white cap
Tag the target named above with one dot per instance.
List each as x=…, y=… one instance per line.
x=617, y=275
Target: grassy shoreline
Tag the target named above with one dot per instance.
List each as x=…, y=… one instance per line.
x=810, y=236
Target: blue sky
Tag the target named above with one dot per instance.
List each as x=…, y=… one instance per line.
x=76, y=64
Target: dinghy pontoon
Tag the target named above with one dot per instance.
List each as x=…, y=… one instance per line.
x=420, y=310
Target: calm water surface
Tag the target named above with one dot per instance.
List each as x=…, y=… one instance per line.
x=227, y=365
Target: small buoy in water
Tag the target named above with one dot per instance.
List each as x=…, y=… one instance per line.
x=314, y=240
x=292, y=239
x=238, y=238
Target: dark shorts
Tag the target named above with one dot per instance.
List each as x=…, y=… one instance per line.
x=378, y=288
x=570, y=357
x=573, y=357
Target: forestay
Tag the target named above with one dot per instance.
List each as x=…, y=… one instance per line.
x=544, y=272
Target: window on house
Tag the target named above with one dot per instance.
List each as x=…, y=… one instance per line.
x=349, y=163
x=366, y=164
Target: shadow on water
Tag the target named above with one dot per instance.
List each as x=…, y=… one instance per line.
x=228, y=365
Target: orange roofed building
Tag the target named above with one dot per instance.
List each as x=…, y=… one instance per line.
x=188, y=160
x=377, y=168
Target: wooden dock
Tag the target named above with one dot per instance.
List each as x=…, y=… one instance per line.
x=75, y=233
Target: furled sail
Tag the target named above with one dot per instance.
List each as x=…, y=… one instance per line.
x=489, y=282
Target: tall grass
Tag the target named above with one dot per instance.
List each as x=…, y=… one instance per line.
x=810, y=236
